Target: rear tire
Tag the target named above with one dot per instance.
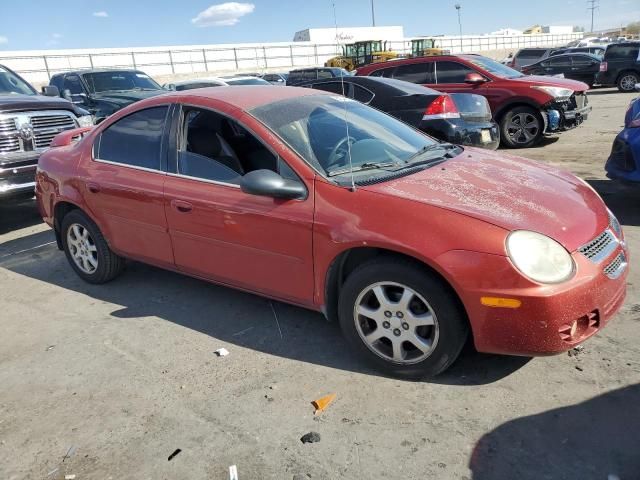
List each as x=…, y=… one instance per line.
x=87, y=250
x=521, y=127
x=401, y=318
x=627, y=81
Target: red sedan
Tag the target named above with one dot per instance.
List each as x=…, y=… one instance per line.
x=326, y=203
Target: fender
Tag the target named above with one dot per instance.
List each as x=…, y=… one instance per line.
x=515, y=101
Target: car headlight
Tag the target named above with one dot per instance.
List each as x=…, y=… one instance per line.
x=539, y=257
x=85, y=121
x=557, y=93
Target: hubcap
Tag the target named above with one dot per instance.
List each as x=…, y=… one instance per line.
x=82, y=248
x=408, y=335
x=628, y=82
x=523, y=127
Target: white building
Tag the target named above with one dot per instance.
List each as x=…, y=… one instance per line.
x=509, y=32
x=557, y=29
x=322, y=36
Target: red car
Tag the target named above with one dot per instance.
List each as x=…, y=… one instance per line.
x=324, y=202
x=525, y=107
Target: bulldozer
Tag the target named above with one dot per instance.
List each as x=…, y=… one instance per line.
x=357, y=54
x=425, y=47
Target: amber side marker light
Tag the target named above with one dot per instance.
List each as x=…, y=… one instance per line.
x=500, y=302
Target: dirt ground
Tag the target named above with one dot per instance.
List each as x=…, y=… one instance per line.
x=106, y=382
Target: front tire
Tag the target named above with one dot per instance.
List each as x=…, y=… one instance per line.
x=401, y=318
x=87, y=250
x=521, y=127
x=627, y=81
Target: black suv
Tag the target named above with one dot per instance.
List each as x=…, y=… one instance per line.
x=302, y=75
x=620, y=66
x=28, y=123
x=104, y=92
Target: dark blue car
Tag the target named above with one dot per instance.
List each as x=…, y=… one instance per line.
x=624, y=161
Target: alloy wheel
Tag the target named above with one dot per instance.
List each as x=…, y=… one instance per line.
x=523, y=127
x=628, y=83
x=82, y=248
x=396, y=323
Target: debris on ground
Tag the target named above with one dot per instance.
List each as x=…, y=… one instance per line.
x=579, y=368
x=222, y=352
x=50, y=347
x=311, y=437
x=322, y=403
x=574, y=352
x=300, y=476
x=233, y=472
x=70, y=477
x=175, y=452
x=70, y=452
x=269, y=398
x=53, y=471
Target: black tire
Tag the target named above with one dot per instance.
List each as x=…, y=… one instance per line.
x=520, y=140
x=451, y=319
x=109, y=265
x=627, y=81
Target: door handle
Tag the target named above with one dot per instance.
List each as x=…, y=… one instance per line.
x=93, y=187
x=181, y=206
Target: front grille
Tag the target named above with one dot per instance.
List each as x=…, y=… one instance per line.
x=615, y=268
x=600, y=247
x=622, y=156
x=45, y=125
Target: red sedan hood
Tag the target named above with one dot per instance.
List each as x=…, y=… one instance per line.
x=552, y=82
x=511, y=192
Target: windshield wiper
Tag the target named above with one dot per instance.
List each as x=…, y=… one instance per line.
x=361, y=167
x=429, y=148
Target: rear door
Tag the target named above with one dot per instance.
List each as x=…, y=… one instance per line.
x=123, y=182
x=560, y=65
x=584, y=69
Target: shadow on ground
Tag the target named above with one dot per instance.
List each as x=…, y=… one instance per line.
x=622, y=199
x=226, y=314
x=17, y=215
x=596, y=439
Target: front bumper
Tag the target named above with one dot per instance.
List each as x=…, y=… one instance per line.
x=551, y=318
x=17, y=174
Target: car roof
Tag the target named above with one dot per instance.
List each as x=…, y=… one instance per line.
x=191, y=81
x=389, y=83
x=245, y=97
x=99, y=70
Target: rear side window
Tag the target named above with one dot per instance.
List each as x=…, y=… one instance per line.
x=560, y=61
x=361, y=94
x=622, y=52
x=580, y=61
x=414, y=73
x=333, y=87
x=530, y=53
x=325, y=74
x=135, y=140
x=451, y=72
x=383, y=72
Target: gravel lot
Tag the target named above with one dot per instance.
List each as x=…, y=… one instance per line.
x=108, y=381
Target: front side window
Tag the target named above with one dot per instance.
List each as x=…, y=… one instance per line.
x=135, y=140
x=72, y=83
x=11, y=83
x=451, y=72
x=119, y=80
x=214, y=147
x=336, y=135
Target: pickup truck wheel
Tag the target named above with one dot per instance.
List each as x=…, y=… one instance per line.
x=87, y=250
x=402, y=319
x=521, y=127
x=627, y=81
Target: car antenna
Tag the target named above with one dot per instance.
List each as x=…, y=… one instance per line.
x=346, y=123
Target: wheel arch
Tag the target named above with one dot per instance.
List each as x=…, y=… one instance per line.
x=522, y=102
x=60, y=210
x=627, y=70
x=348, y=260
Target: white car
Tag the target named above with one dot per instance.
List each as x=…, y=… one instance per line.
x=205, y=82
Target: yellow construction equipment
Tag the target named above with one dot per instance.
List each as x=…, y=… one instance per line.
x=357, y=54
x=425, y=47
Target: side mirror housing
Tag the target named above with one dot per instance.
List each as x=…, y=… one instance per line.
x=269, y=184
x=474, y=78
x=50, y=91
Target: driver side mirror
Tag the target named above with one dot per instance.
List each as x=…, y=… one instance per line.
x=50, y=91
x=269, y=184
x=474, y=78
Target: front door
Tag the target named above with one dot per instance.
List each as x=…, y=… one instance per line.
x=123, y=182
x=449, y=77
x=257, y=243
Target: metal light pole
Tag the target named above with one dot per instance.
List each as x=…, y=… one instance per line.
x=373, y=14
x=458, y=7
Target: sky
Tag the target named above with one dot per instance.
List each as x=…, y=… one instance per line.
x=39, y=24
